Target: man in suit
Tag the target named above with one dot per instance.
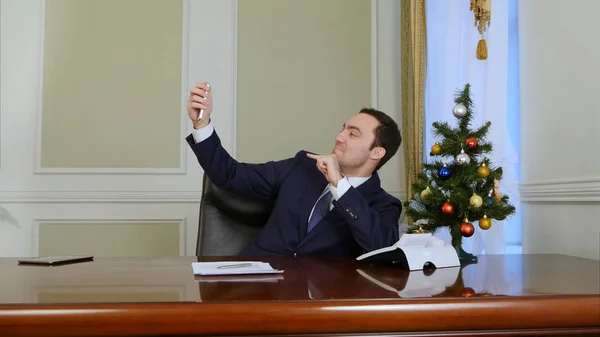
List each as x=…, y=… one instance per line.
x=325, y=205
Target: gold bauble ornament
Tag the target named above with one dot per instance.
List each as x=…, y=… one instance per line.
x=436, y=149
x=426, y=193
x=483, y=171
x=476, y=201
x=485, y=222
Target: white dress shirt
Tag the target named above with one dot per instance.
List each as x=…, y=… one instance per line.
x=336, y=192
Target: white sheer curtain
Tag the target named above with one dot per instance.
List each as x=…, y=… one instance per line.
x=451, y=63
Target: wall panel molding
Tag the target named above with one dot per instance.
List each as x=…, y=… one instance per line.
x=37, y=221
x=564, y=191
x=234, y=79
x=30, y=191
x=100, y=196
x=184, y=125
x=374, y=56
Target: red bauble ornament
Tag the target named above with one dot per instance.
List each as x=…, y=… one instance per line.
x=467, y=292
x=471, y=142
x=467, y=229
x=447, y=208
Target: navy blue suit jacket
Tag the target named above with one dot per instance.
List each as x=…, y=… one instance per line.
x=363, y=219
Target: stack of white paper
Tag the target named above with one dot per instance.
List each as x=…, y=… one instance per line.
x=233, y=268
x=262, y=278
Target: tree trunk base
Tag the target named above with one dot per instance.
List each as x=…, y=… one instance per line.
x=465, y=258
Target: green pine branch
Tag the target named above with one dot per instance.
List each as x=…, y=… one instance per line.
x=443, y=130
x=482, y=131
x=464, y=97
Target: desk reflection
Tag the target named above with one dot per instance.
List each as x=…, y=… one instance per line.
x=169, y=280
x=323, y=279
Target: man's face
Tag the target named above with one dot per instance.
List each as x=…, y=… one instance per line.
x=352, y=144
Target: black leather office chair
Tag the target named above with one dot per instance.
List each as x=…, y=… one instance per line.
x=228, y=222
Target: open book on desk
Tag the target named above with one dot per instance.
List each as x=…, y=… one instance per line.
x=415, y=252
x=233, y=268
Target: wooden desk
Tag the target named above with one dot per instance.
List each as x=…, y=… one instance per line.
x=501, y=295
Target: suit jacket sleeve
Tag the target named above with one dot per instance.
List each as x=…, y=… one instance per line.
x=252, y=180
x=372, y=229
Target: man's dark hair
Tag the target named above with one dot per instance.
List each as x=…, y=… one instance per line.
x=387, y=135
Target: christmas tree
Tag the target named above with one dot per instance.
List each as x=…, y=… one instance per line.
x=459, y=185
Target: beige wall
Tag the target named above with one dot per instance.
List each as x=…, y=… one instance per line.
x=112, y=84
x=560, y=115
x=389, y=94
x=304, y=68
x=111, y=98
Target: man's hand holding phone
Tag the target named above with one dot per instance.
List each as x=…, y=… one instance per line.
x=200, y=104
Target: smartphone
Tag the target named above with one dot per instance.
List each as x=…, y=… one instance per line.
x=55, y=260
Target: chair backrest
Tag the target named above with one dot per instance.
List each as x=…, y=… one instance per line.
x=228, y=222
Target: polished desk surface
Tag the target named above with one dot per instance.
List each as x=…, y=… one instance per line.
x=501, y=294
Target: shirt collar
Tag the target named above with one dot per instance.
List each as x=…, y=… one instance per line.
x=357, y=181
x=354, y=181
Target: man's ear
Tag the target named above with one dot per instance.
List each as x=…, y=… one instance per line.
x=377, y=153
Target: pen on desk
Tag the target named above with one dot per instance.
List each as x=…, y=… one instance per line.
x=239, y=265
